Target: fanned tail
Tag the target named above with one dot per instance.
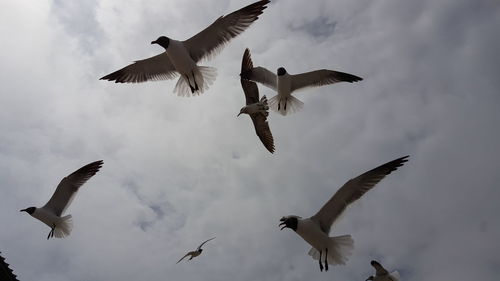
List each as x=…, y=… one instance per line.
x=285, y=106
x=339, y=248
x=204, y=77
x=64, y=227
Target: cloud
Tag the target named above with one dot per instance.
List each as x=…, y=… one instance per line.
x=178, y=171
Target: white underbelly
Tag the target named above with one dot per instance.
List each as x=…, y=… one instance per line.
x=180, y=57
x=46, y=217
x=284, y=86
x=313, y=234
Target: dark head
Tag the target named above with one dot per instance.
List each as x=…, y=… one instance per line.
x=200, y=250
x=375, y=263
x=29, y=210
x=162, y=41
x=281, y=71
x=289, y=222
x=242, y=110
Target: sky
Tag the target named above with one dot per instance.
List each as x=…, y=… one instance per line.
x=180, y=170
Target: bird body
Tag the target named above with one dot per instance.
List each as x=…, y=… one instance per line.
x=285, y=84
x=258, y=110
x=195, y=253
x=51, y=213
x=182, y=57
x=315, y=230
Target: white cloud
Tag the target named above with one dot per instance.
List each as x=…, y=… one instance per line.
x=186, y=169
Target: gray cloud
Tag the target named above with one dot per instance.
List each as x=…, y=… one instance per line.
x=185, y=169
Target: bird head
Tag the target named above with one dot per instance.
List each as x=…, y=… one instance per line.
x=243, y=110
x=162, y=41
x=281, y=71
x=375, y=264
x=289, y=222
x=29, y=210
x=200, y=250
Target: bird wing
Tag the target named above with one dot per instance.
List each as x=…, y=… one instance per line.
x=351, y=191
x=261, y=75
x=199, y=247
x=263, y=131
x=67, y=188
x=158, y=67
x=249, y=88
x=212, y=39
x=183, y=257
x=252, y=96
x=321, y=77
x=379, y=269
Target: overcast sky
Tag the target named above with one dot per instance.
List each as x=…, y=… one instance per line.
x=179, y=170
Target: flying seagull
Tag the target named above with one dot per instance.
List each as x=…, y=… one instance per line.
x=381, y=274
x=258, y=110
x=50, y=214
x=285, y=84
x=315, y=230
x=196, y=252
x=181, y=57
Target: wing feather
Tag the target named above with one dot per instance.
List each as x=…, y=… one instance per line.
x=261, y=75
x=252, y=96
x=352, y=191
x=263, y=131
x=199, y=247
x=212, y=39
x=158, y=67
x=321, y=77
x=67, y=188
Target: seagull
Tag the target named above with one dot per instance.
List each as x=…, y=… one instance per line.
x=315, y=230
x=181, y=57
x=285, y=84
x=196, y=252
x=50, y=214
x=382, y=274
x=258, y=110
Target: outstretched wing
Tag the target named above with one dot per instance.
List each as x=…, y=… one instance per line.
x=212, y=39
x=154, y=68
x=261, y=75
x=252, y=96
x=321, y=77
x=67, y=188
x=199, y=247
x=249, y=88
x=352, y=191
x=262, y=128
x=183, y=257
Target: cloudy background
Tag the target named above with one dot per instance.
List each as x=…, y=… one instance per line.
x=178, y=171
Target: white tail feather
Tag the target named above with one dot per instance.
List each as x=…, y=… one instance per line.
x=286, y=106
x=339, y=248
x=64, y=227
x=204, y=77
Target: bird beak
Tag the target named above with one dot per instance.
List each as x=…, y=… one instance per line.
x=23, y=210
x=154, y=42
x=238, y=114
x=282, y=224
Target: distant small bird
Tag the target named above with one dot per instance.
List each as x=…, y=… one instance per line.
x=182, y=56
x=258, y=110
x=196, y=252
x=285, y=84
x=50, y=214
x=382, y=274
x=315, y=230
